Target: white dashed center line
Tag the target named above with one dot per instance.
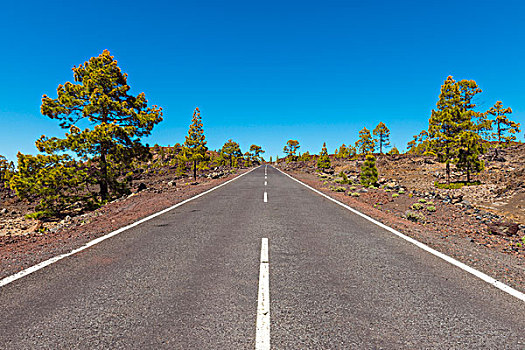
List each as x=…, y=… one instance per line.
x=262, y=334
x=265, y=198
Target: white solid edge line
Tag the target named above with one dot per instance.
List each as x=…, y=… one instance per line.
x=48, y=262
x=479, y=274
x=262, y=334
x=265, y=197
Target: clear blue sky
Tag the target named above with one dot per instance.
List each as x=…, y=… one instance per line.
x=267, y=71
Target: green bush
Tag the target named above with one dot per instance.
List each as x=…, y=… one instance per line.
x=339, y=189
x=422, y=200
x=414, y=216
x=431, y=208
x=401, y=191
x=395, y=195
x=456, y=185
x=355, y=194
x=417, y=206
x=369, y=174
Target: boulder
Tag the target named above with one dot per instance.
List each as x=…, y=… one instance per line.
x=503, y=228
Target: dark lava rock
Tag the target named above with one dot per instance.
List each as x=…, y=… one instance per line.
x=503, y=228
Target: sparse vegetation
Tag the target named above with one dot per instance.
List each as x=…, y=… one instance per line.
x=291, y=148
x=414, y=216
x=417, y=206
x=369, y=174
x=323, y=162
x=431, y=208
x=365, y=144
x=382, y=134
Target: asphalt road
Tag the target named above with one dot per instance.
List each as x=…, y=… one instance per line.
x=188, y=279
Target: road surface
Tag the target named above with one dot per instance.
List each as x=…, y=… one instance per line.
x=193, y=278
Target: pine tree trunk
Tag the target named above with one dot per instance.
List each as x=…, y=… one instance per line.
x=195, y=170
x=103, y=182
x=104, y=193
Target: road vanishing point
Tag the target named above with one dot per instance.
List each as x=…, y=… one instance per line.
x=261, y=262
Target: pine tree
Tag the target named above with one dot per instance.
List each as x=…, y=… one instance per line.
x=393, y=151
x=3, y=170
x=383, y=136
x=195, y=144
x=453, y=123
x=365, y=144
x=305, y=157
x=369, y=174
x=291, y=148
x=471, y=146
x=505, y=128
x=256, y=152
x=232, y=151
x=323, y=162
x=100, y=96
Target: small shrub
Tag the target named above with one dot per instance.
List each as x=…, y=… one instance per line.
x=422, y=200
x=388, y=190
x=352, y=188
x=401, y=191
x=417, y=206
x=431, y=208
x=456, y=185
x=339, y=189
x=355, y=194
x=395, y=195
x=414, y=216
x=340, y=180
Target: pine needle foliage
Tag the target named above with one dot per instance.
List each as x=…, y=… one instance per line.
x=393, y=151
x=323, y=162
x=365, y=144
x=100, y=97
x=454, y=127
x=291, y=148
x=58, y=182
x=505, y=129
x=231, y=151
x=255, y=153
x=369, y=173
x=382, y=138
x=195, y=144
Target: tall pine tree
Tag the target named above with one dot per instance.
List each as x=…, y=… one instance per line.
x=323, y=162
x=100, y=98
x=195, y=144
x=291, y=148
x=383, y=136
x=365, y=144
x=454, y=126
x=232, y=150
x=504, y=128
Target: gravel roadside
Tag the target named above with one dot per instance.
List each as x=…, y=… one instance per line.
x=18, y=252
